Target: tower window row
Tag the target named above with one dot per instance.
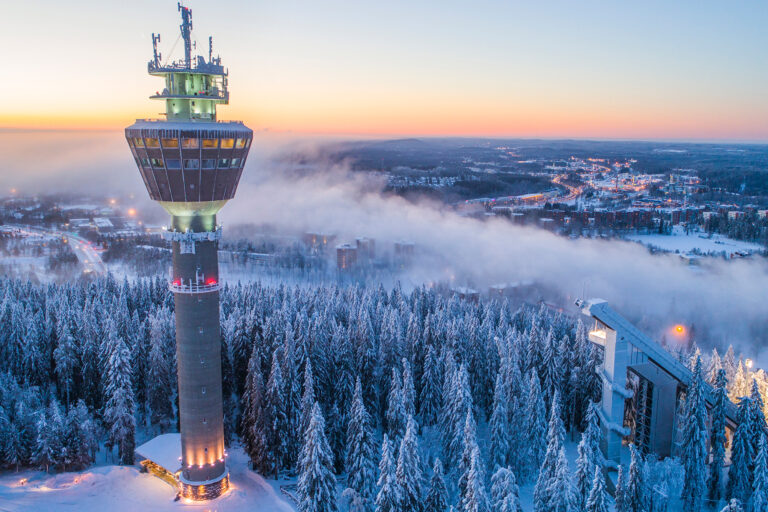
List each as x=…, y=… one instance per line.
x=190, y=143
x=192, y=163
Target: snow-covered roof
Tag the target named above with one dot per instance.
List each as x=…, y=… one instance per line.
x=164, y=450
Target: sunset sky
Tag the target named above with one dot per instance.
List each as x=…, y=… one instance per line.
x=688, y=69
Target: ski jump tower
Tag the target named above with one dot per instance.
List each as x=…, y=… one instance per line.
x=191, y=164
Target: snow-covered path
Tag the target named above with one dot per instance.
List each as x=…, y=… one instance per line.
x=124, y=489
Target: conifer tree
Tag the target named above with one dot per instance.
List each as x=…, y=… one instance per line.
x=316, y=486
x=396, y=415
x=159, y=391
x=718, y=438
x=360, y=464
x=119, y=410
x=307, y=397
x=388, y=499
x=275, y=421
x=430, y=399
x=409, y=392
x=560, y=491
x=589, y=457
x=460, y=405
x=474, y=498
x=470, y=443
x=635, y=494
x=537, y=427
x=596, y=500
x=620, y=495
x=548, y=471
x=500, y=429
x=437, y=496
x=505, y=495
x=759, y=498
x=694, y=456
x=740, y=474
x=409, y=473
x=254, y=420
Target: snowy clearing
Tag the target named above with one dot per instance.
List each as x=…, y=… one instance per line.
x=125, y=489
x=679, y=242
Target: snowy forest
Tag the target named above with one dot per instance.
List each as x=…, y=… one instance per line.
x=371, y=399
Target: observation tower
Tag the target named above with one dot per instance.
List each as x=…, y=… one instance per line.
x=191, y=164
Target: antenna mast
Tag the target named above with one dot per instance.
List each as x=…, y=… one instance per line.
x=186, y=33
x=210, y=49
x=157, y=56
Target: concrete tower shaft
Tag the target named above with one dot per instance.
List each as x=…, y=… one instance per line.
x=191, y=164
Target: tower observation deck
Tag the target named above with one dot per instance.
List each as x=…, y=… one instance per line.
x=191, y=164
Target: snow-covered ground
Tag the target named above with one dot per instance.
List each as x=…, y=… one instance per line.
x=679, y=242
x=125, y=489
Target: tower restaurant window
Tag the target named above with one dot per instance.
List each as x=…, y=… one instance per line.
x=170, y=143
x=190, y=143
x=227, y=143
x=210, y=143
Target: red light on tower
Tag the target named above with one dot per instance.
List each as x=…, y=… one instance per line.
x=210, y=281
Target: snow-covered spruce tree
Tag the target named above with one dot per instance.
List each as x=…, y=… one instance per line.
x=253, y=424
x=275, y=422
x=694, y=455
x=316, y=486
x=409, y=392
x=547, y=473
x=437, y=496
x=740, y=474
x=717, y=437
x=758, y=418
x=560, y=491
x=551, y=371
x=66, y=361
x=473, y=498
x=80, y=439
x=759, y=500
x=460, y=406
x=291, y=400
x=500, y=429
x=360, y=465
x=307, y=397
x=715, y=365
x=739, y=383
x=620, y=496
x=505, y=495
x=119, y=410
x=388, y=498
x=448, y=364
x=636, y=492
x=589, y=457
x=596, y=501
x=337, y=436
x=536, y=416
x=430, y=399
x=47, y=450
x=409, y=473
x=396, y=415
x=158, y=387
x=470, y=443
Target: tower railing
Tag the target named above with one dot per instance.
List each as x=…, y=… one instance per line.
x=193, y=286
